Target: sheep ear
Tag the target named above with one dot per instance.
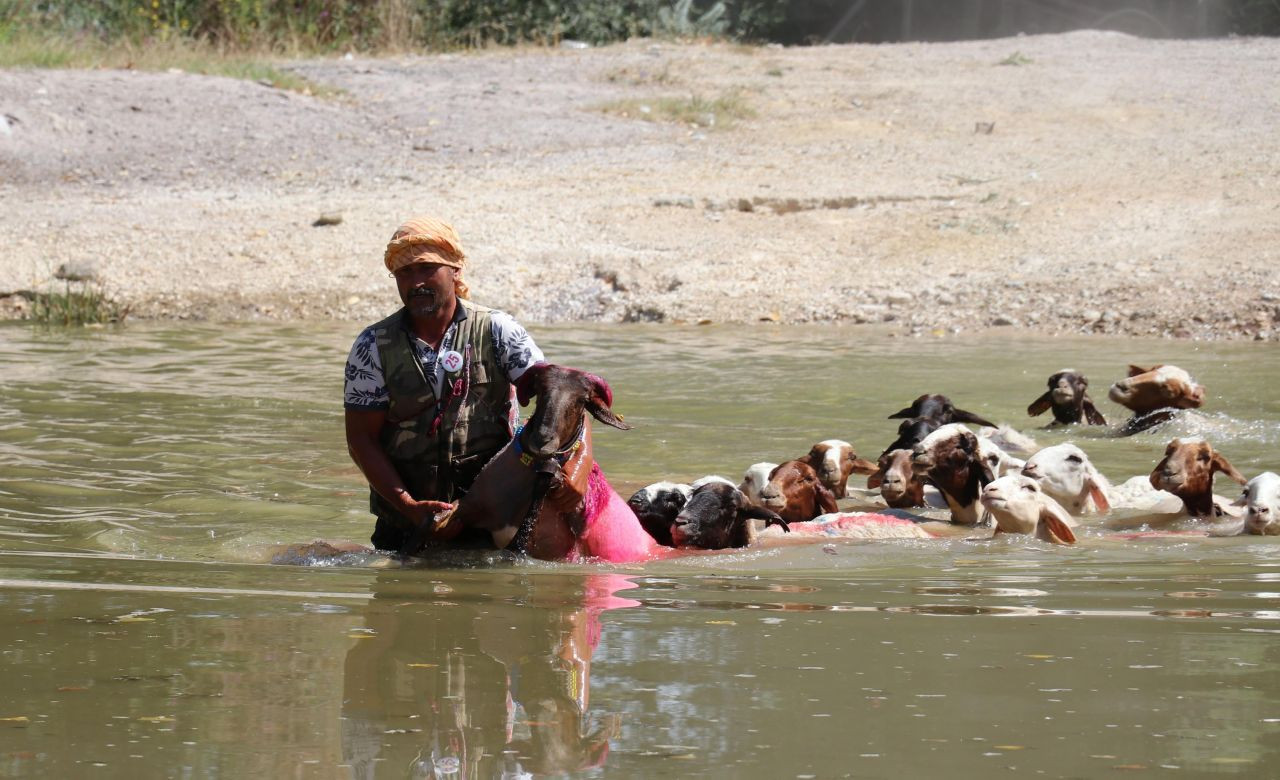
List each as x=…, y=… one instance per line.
x=770, y=517
x=826, y=499
x=605, y=415
x=1098, y=494
x=1091, y=413
x=864, y=466
x=960, y=415
x=1222, y=464
x=902, y=414
x=1040, y=405
x=1058, y=529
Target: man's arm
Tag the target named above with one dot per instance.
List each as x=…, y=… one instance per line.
x=363, y=427
x=515, y=348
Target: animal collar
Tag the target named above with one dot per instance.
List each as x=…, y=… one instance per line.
x=561, y=456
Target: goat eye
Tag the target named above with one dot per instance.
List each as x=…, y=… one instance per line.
x=1203, y=456
x=1032, y=488
x=1074, y=459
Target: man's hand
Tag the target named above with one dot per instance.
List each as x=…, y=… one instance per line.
x=437, y=515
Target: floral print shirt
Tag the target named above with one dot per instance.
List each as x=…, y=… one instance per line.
x=366, y=390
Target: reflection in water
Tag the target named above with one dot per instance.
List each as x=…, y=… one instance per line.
x=475, y=691
x=147, y=474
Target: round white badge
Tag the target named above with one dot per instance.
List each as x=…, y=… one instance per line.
x=452, y=361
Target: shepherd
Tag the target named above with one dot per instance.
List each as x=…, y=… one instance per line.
x=429, y=390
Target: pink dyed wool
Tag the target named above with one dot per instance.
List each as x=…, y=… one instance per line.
x=612, y=532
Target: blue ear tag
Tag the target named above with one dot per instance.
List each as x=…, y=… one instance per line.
x=451, y=361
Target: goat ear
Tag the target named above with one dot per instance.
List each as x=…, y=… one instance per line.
x=902, y=414
x=525, y=389
x=1222, y=464
x=960, y=415
x=826, y=499
x=1058, y=529
x=1040, y=405
x=1091, y=413
x=875, y=480
x=600, y=401
x=605, y=415
x=1138, y=370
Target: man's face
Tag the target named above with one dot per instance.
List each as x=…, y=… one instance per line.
x=426, y=287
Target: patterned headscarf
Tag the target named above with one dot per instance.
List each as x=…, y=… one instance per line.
x=427, y=240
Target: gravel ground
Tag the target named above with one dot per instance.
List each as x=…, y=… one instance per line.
x=1089, y=182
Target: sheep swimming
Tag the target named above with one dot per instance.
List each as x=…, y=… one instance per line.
x=1019, y=506
x=1262, y=505
x=950, y=458
x=1067, y=396
x=796, y=493
x=656, y=507
x=1155, y=395
x=1187, y=471
x=835, y=461
x=718, y=516
x=940, y=409
x=1065, y=473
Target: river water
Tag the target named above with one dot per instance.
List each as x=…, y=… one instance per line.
x=148, y=473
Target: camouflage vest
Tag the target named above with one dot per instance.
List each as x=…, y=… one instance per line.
x=440, y=464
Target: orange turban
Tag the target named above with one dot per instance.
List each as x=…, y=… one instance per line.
x=426, y=240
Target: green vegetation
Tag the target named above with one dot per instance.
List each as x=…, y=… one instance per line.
x=297, y=27
x=31, y=49
x=695, y=110
x=1017, y=58
x=78, y=304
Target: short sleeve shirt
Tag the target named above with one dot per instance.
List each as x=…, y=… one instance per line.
x=367, y=390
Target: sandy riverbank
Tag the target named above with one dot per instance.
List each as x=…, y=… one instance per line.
x=1125, y=185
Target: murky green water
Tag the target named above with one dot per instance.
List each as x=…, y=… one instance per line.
x=146, y=474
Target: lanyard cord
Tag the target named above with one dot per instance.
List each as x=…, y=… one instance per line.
x=460, y=387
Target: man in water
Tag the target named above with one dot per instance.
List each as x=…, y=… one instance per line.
x=429, y=390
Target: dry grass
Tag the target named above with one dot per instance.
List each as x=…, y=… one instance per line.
x=721, y=112
x=38, y=51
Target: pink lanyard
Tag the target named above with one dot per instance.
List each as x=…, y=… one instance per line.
x=460, y=387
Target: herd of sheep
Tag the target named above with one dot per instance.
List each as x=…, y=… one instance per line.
x=938, y=463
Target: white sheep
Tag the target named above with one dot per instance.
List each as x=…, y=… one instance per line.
x=700, y=481
x=1262, y=505
x=1019, y=506
x=1065, y=472
x=999, y=461
x=1011, y=441
x=754, y=479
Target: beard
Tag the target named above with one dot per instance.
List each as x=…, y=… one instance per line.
x=423, y=301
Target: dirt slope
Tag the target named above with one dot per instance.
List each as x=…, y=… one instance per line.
x=1094, y=182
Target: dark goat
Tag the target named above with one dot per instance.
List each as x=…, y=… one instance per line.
x=543, y=494
x=940, y=409
x=1068, y=397
x=910, y=433
x=656, y=507
x=951, y=460
x=717, y=516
